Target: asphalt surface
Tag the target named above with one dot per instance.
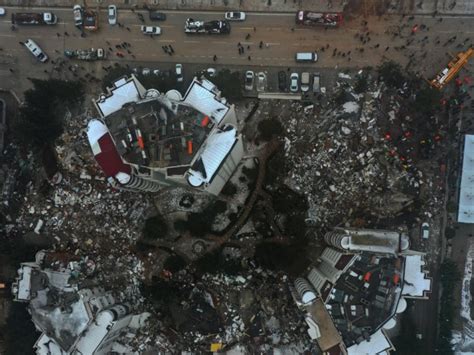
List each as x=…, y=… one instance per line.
x=280, y=37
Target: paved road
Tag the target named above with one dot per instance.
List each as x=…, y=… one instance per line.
x=275, y=30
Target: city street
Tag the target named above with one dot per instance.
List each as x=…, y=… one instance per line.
x=386, y=38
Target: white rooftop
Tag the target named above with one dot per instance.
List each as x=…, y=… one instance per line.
x=416, y=284
x=378, y=344
x=125, y=91
x=24, y=283
x=216, y=148
x=375, y=241
x=200, y=96
x=466, y=190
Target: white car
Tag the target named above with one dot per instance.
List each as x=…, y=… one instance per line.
x=78, y=15
x=151, y=30
x=261, y=81
x=179, y=73
x=156, y=72
x=235, y=16
x=249, y=75
x=425, y=230
x=112, y=14
x=2, y=11
x=146, y=71
x=211, y=72
x=294, y=82
x=36, y=50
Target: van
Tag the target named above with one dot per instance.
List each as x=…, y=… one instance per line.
x=306, y=57
x=36, y=50
x=316, y=84
x=304, y=82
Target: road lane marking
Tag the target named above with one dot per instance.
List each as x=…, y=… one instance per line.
x=219, y=42
x=192, y=41
x=167, y=40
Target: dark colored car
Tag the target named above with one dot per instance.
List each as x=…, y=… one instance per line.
x=157, y=16
x=282, y=80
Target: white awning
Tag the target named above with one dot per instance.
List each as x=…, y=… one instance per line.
x=466, y=193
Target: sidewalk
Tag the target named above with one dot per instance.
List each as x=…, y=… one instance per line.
x=196, y=5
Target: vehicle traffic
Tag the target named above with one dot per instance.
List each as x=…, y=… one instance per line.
x=326, y=19
x=91, y=20
x=78, y=15
x=294, y=77
x=179, y=73
x=90, y=54
x=261, y=81
x=235, y=16
x=31, y=18
x=112, y=15
x=150, y=30
x=305, y=82
x=249, y=76
x=36, y=50
x=211, y=27
x=157, y=16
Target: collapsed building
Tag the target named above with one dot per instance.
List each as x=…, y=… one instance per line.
x=357, y=287
x=145, y=140
x=71, y=319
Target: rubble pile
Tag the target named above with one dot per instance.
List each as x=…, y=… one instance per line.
x=253, y=309
x=339, y=158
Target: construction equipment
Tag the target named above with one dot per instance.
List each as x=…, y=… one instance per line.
x=91, y=18
x=453, y=67
x=37, y=18
x=308, y=18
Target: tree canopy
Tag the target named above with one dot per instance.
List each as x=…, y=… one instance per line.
x=41, y=116
x=391, y=74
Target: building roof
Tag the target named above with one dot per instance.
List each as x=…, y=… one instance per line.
x=328, y=334
x=416, y=284
x=203, y=95
x=378, y=343
x=218, y=145
x=466, y=190
x=104, y=149
x=123, y=91
x=375, y=241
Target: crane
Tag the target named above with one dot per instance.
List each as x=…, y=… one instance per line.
x=453, y=67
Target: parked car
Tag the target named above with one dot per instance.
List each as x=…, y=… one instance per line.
x=282, y=80
x=249, y=75
x=261, y=81
x=151, y=30
x=211, y=72
x=156, y=72
x=179, y=73
x=425, y=230
x=235, y=16
x=157, y=16
x=304, y=82
x=316, y=83
x=2, y=11
x=112, y=14
x=294, y=82
x=146, y=71
x=78, y=15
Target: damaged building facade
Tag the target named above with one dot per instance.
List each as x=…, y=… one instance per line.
x=74, y=320
x=145, y=139
x=352, y=295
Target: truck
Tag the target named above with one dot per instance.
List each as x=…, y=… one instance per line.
x=89, y=54
x=91, y=20
x=210, y=27
x=31, y=18
x=309, y=18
